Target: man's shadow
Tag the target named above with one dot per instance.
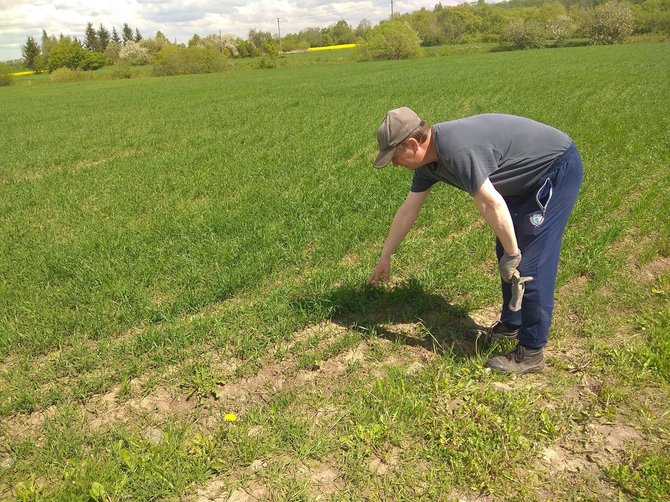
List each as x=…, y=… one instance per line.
x=442, y=327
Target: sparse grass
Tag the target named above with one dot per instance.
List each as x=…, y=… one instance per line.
x=182, y=236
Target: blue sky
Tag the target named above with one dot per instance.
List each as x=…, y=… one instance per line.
x=179, y=20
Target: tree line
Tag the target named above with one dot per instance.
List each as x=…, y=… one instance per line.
x=65, y=51
x=517, y=23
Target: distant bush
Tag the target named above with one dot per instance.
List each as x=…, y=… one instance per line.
x=154, y=45
x=652, y=17
x=92, y=61
x=112, y=52
x=391, y=40
x=176, y=60
x=611, y=23
x=121, y=70
x=5, y=78
x=266, y=63
x=65, y=74
x=523, y=34
x=246, y=49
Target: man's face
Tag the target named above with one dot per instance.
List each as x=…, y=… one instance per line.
x=407, y=157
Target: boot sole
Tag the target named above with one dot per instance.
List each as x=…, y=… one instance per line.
x=534, y=369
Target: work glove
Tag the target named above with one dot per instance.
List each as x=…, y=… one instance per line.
x=508, y=265
x=518, y=288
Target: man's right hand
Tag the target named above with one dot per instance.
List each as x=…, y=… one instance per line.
x=382, y=272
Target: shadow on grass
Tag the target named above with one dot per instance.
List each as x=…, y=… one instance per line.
x=375, y=311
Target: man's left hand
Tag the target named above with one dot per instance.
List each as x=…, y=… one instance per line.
x=508, y=265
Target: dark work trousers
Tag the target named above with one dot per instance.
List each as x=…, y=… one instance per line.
x=539, y=220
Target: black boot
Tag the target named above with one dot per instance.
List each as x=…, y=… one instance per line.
x=498, y=331
x=519, y=360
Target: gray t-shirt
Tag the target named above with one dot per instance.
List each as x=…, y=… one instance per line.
x=513, y=152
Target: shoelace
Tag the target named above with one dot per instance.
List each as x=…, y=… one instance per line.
x=516, y=353
x=493, y=328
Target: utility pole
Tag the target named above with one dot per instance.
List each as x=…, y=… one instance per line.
x=279, y=31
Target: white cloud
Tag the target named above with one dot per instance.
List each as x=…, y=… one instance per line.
x=179, y=20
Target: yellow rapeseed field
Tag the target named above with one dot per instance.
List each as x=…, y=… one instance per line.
x=333, y=47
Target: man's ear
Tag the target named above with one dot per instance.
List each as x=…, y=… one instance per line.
x=413, y=144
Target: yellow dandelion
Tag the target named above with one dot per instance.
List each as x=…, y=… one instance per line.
x=230, y=417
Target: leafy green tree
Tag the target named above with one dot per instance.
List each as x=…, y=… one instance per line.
x=652, y=16
x=31, y=53
x=292, y=42
x=611, y=23
x=426, y=25
x=312, y=36
x=115, y=36
x=326, y=38
x=155, y=44
x=494, y=20
x=126, y=33
x=258, y=38
x=362, y=29
x=48, y=41
x=67, y=52
x=103, y=39
x=460, y=24
x=341, y=33
x=138, y=35
x=91, y=38
x=391, y=40
x=194, y=41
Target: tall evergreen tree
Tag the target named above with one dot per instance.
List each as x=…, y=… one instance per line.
x=126, y=33
x=138, y=37
x=31, y=52
x=115, y=35
x=91, y=38
x=103, y=39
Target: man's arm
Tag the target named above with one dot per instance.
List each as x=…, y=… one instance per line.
x=403, y=220
x=493, y=209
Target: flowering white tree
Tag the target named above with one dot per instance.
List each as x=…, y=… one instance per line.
x=225, y=43
x=133, y=53
x=611, y=23
x=560, y=28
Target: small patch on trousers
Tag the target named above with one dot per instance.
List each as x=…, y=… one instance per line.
x=536, y=219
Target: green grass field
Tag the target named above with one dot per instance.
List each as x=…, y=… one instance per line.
x=177, y=249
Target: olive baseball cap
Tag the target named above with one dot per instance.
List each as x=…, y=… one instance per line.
x=396, y=127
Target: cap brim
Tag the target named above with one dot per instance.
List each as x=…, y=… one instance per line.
x=384, y=158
